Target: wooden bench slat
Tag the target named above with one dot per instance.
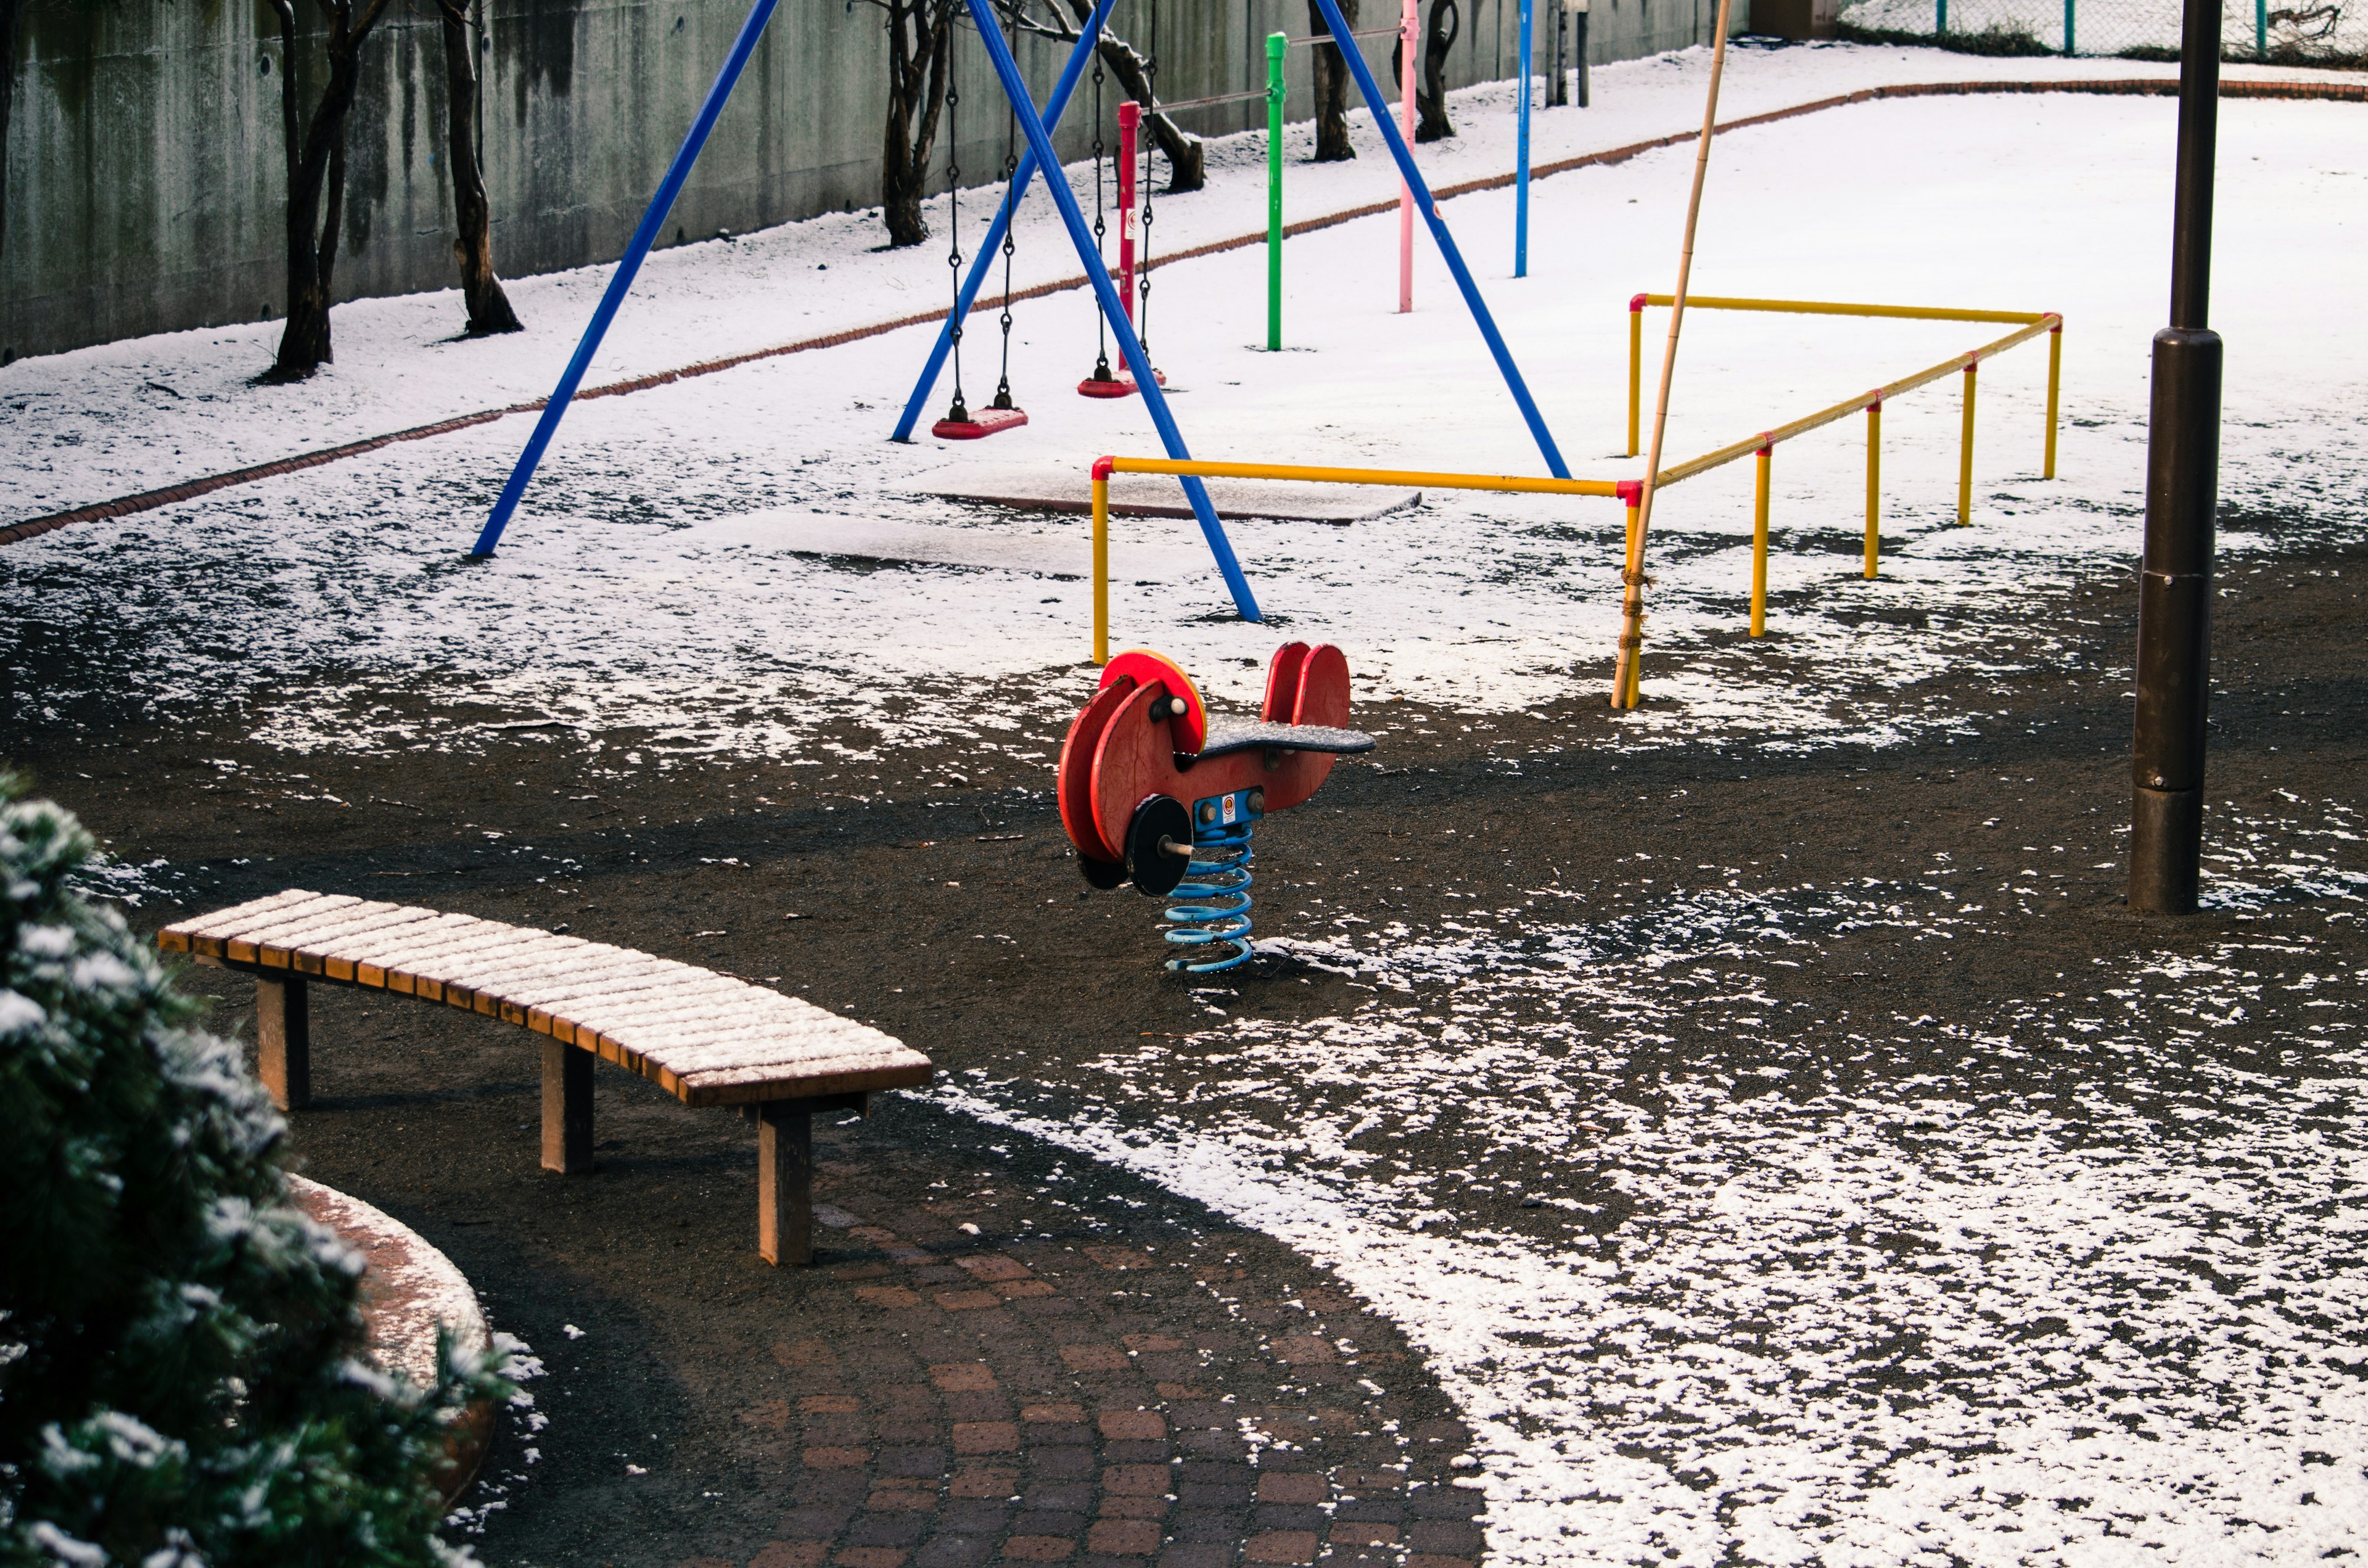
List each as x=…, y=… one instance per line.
x=176, y=938
x=496, y=966
x=563, y=1004
x=244, y=944
x=307, y=949
x=309, y=907
x=320, y=952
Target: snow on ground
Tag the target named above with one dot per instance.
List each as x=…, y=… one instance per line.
x=674, y=569
x=2056, y=1287
x=2059, y=1285
x=124, y=417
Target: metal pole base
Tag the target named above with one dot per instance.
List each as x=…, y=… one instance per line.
x=2174, y=653
x=2166, y=851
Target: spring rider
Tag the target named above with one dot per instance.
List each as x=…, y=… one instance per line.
x=1150, y=792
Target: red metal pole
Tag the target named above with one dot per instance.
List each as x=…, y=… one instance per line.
x=1130, y=116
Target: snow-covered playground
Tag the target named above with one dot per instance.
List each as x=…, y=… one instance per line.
x=1738, y=1223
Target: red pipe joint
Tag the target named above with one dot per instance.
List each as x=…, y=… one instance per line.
x=1632, y=489
x=1103, y=468
x=1637, y=303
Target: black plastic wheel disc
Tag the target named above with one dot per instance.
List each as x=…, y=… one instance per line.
x=1103, y=874
x=1155, y=870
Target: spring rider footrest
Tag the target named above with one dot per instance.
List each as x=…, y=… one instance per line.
x=1151, y=792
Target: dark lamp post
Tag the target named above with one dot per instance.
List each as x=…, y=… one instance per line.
x=2182, y=495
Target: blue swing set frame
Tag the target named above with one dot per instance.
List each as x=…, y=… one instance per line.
x=1040, y=155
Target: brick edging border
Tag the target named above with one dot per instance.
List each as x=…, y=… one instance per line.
x=2140, y=87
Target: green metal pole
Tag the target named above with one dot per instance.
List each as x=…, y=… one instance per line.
x=2068, y=50
x=2261, y=29
x=1276, y=43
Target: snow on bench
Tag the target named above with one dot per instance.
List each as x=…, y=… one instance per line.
x=708, y=1039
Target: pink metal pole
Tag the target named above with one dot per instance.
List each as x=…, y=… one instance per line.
x=1408, y=31
x=1130, y=115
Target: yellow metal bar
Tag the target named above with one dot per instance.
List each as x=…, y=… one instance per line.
x=1101, y=566
x=1966, y=453
x=1843, y=410
x=1759, y=547
x=1828, y=308
x=1635, y=376
x=1874, y=486
x=2055, y=380
x=1513, y=484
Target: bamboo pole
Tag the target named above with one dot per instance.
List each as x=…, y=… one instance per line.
x=1626, y=684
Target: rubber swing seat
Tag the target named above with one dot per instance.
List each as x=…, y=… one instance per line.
x=985, y=422
x=1122, y=386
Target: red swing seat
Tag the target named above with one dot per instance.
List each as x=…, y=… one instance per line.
x=985, y=422
x=1121, y=385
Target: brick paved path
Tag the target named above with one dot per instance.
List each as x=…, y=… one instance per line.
x=1006, y=1354
x=1188, y=1400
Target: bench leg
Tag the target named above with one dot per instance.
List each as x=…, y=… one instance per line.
x=283, y=1039
x=566, y=1108
x=785, y=1182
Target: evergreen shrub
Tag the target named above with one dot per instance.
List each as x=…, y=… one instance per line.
x=183, y=1377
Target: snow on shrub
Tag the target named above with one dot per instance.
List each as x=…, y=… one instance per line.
x=183, y=1378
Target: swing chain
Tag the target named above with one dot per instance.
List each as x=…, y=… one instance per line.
x=1010, y=246
x=1101, y=327
x=1150, y=140
x=960, y=410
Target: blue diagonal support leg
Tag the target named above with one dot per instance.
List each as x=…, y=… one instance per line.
x=1146, y=383
x=1428, y=206
x=1054, y=106
x=620, y=282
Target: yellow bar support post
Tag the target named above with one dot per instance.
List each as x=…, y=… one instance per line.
x=1965, y=451
x=1633, y=493
x=1636, y=369
x=1759, y=547
x=1874, y=486
x=2055, y=380
x=1101, y=562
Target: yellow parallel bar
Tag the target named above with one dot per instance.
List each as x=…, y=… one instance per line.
x=1825, y=417
x=1827, y=308
x=1874, y=486
x=1513, y=484
x=1101, y=570
x=2055, y=380
x=1965, y=452
x=1759, y=548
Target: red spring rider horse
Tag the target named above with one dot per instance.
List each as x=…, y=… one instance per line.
x=1149, y=791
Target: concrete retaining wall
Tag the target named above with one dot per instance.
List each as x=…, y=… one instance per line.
x=145, y=162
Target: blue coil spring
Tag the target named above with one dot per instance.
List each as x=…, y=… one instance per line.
x=1217, y=921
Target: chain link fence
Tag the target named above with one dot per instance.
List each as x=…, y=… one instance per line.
x=2290, y=32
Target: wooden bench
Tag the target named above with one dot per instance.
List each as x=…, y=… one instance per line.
x=708, y=1039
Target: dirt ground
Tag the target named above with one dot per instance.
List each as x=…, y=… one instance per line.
x=689, y=1388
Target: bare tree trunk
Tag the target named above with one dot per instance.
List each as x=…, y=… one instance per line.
x=473, y=215
x=1186, y=169
x=1181, y=148
x=1332, y=88
x=7, y=102
x=318, y=161
x=1430, y=97
x=920, y=48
